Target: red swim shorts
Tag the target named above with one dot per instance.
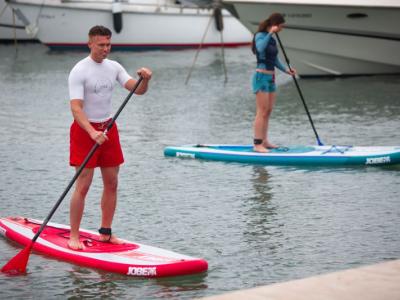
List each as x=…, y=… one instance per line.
x=109, y=154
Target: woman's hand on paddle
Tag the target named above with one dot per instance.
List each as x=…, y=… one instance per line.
x=291, y=71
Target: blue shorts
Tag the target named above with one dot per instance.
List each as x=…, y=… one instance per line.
x=263, y=83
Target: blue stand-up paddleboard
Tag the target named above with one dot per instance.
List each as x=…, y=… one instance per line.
x=291, y=155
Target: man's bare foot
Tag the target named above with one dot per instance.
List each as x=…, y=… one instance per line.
x=75, y=244
x=113, y=239
x=270, y=146
x=260, y=149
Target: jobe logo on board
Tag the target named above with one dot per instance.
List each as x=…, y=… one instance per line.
x=140, y=271
x=378, y=160
x=183, y=154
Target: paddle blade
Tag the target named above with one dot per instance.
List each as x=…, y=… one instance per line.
x=17, y=264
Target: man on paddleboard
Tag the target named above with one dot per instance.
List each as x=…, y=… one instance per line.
x=91, y=83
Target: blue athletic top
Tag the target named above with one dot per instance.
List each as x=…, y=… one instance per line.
x=267, y=52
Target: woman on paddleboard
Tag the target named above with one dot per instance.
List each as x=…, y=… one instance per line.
x=91, y=83
x=263, y=83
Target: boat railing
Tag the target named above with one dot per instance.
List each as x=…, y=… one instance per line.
x=157, y=4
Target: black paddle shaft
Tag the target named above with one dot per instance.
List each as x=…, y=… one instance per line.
x=299, y=90
x=88, y=157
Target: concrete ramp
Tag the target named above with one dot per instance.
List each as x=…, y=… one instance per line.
x=375, y=282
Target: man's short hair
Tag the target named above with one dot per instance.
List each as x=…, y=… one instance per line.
x=99, y=30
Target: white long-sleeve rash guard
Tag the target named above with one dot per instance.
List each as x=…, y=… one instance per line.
x=93, y=83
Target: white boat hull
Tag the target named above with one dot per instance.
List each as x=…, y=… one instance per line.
x=335, y=39
x=65, y=25
x=11, y=28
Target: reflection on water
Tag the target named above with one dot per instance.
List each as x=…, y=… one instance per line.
x=261, y=185
x=174, y=286
x=261, y=225
x=90, y=283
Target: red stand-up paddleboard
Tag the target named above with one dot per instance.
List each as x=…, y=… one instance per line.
x=129, y=258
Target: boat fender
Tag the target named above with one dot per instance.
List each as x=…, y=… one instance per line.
x=117, y=16
x=219, y=22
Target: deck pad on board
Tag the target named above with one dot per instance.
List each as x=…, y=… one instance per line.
x=91, y=241
x=249, y=148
